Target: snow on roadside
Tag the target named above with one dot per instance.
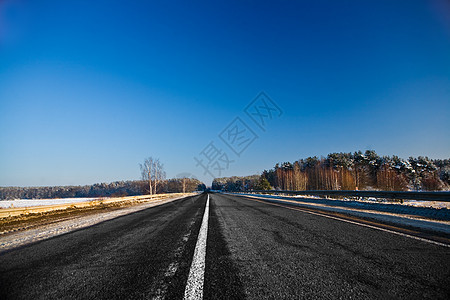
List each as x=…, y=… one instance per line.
x=434, y=204
x=10, y=240
x=416, y=203
x=442, y=213
x=40, y=202
x=427, y=218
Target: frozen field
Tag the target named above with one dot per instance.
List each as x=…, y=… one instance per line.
x=39, y=202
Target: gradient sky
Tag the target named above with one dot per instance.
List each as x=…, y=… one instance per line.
x=88, y=89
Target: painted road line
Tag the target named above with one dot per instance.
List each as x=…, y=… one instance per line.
x=357, y=223
x=163, y=283
x=194, y=286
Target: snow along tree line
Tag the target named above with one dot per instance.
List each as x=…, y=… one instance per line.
x=348, y=171
x=114, y=189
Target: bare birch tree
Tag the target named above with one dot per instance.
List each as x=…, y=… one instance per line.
x=158, y=173
x=152, y=170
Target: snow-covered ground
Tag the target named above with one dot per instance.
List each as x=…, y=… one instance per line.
x=39, y=202
x=427, y=218
x=434, y=204
x=12, y=239
x=416, y=203
x=370, y=200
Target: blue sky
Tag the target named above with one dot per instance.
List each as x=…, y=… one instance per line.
x=88, y=90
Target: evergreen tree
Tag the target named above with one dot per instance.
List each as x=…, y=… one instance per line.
x=263, y=184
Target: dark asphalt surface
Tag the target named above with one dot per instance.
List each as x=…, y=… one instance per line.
x=254, y=250
x=124, y=258
x=288, y=254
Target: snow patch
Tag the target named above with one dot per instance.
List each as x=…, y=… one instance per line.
x=40, y=202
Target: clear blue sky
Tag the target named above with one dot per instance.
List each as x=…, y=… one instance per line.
x=88, y=89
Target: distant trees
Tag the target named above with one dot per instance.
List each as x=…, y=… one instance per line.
x=113, y=189
x=351, y=171
x=152, y=170
x=118, y=188
x=337, y=171
x=201, y=187
x=182, y=185
x=153, y=181
x=236, y=183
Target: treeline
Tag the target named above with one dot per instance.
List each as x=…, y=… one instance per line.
x=113, y=189
x=236, y=183
x=349, y=171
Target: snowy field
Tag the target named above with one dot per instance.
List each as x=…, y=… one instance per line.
x=39, y=202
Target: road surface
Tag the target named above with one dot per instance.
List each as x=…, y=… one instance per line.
x=254, y=250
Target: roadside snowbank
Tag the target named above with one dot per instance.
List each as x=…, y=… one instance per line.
x=420, y=217
x=40, y=202
x=442, y=213
x=10, y=240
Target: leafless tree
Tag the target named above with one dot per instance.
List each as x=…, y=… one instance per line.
x=184, y=184
x=153, y=170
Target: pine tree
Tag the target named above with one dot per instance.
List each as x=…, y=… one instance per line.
x=263, y=184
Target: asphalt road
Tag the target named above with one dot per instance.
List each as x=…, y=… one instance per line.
x=254, y=250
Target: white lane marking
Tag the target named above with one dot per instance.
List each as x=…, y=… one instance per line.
x=194, y=286
x=172, y=269
x=364, y=225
